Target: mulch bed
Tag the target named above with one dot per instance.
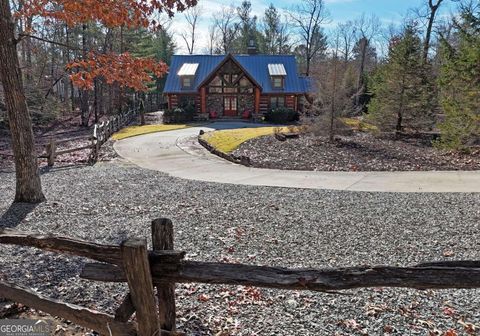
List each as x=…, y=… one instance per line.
x=358, y=152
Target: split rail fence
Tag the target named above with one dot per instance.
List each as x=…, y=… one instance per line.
x=162, y=267
x=100, y=134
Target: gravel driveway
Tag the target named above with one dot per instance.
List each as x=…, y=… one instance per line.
x=260, y=225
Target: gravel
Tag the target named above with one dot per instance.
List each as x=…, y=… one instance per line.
x=358, y=152
x=258, y=225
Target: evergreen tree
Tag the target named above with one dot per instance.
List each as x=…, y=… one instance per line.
x=403, y=92
x=275, y=32
x=460, y=84
x=248, y=28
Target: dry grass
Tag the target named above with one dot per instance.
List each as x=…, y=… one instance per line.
x=359, y=125
x=132, y=131
x=229, y=140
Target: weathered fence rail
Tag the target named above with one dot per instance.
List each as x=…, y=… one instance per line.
x=160, y=268
x=100, y=134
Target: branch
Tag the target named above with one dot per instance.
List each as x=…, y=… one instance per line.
x=22, y=36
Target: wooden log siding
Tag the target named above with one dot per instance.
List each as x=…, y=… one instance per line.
x=173, y=99
x=264, y=104
x=203, y=100
x=290, y=102
x=258, y=101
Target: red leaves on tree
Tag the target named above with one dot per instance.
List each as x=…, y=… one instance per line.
x=111, y=13
x=123, y=69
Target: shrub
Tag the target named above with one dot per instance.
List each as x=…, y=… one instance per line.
x=178, y=115
x=282, y=115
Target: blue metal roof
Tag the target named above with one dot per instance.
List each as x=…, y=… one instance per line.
x=207, y=63
x=255, y=65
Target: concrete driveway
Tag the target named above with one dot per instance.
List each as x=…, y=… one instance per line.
x=178, y=154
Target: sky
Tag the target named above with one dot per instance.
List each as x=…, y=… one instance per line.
x=388, y=11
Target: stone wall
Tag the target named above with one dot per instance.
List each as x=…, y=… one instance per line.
x=215, y=103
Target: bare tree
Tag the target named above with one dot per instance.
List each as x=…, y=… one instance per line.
x=212, y=36
x=433, y=7
x=367, y=28
x=336, y=46
x=227, y=28
x=308, y=16
x=346, y=35
x=192, y=16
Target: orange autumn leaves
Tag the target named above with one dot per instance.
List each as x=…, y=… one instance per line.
x=123, y=69
x=111, y=13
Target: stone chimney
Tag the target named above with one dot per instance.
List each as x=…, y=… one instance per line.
x=252, y=48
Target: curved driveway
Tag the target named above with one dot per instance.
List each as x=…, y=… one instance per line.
x=178, y=154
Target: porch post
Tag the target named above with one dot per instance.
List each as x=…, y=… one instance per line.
x=257, y=100
x=203, y=100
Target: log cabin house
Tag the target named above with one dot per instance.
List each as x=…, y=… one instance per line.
x=235, y=86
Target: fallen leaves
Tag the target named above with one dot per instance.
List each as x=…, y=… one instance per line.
x=359, y=152
x=448, y=253
x=449, y=311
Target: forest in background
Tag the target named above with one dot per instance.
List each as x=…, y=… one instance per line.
x=420, y=75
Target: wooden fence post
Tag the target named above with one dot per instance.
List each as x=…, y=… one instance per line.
x=162, y=239
x=51, y=148
x=137, y=271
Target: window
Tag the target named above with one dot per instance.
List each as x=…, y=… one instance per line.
x=230, y=90
x=245, y=82
x=187, y=82
x=215, y=89
x=277, y=82
x=216, y=82
x=277, y=101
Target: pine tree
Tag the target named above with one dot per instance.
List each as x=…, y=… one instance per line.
x=403, y=91
x=248, y=28
x=275, y=32
x=460, y=85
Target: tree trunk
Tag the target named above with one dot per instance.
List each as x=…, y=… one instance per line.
x=334, y=92
x=361, y=70
x=399, y=125
x=28, y=185
x=431, y=20
x=84, y=104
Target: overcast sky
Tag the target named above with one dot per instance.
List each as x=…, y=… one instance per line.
x=389, y=11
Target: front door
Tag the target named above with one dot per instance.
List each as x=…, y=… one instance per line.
x=230, y=106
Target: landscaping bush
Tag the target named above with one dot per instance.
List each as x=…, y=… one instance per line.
x=282, y=115
x=178, y=115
